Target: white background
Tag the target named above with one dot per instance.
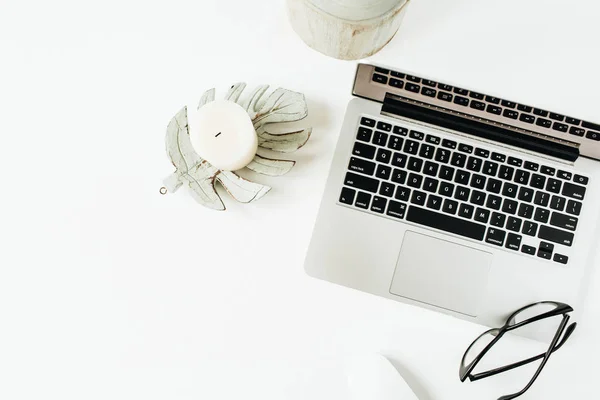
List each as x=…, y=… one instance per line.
x=109, y=290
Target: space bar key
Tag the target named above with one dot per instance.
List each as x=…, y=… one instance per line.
x=445, y=223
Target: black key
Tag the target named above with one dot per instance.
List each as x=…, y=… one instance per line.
x=464, y=92
x=482, y=152
x=387, y=189
x=573, y=207
x=466, y=211
x=398, y=74
x=444, y=96
x=528, y=249
x=530, y=228
x=402, y=193
x=510, y=114
x=380, y=138
x=478, y=181
x=429, y=83
x=515, y=161
x=495, y=236
x=364, y=150
x=383, y=172
x=545, y=123
x=573, y=121
x=465, y=148
x=553, y=185
x=527, y=118
x=446, y=189
x=557, y=203
x=576, y=131
x=411, y=147
x=415, y=164
x=509, y=206
x=556, y=117
x=491, y=99
x=432, y=139
x=563, y=221
x=367, y=122
x=399, y=160
x=451, y=144
x=417, y=135
x=396, y=209
x=362, y=166
x=506, y=172
x=559, y=258
x=509, y=104
x=411, y=87
x=490, y=168
x=443, y=86
x=557, y=126
x=363, y=200
x=478, y=105
x=413, y=78
x=537, y=181
x=450, y=206
x=462, y=177
x=383, y=156
x=575, y=191
x=493, y=109
x=361, y=182
x=541, y=215
x=582, y=180
x=476, y=95
x=378, y=204
x=446, y=223
x=474, y=164
x=380, y=78
x=525, y=210
x=399, y=130
x=556, y=235
x=546, y=170
x=418, y=198
x=593, y=135
x=384, y=126
x=477, y=197
x=395, y=143
x=493, y=185
x=364, y=134
x=591, y=125
x=541, y=198
x=462, y=193
x=498, y=157
x=482, y=215
x=544, y=254
x=446, y=173
x=513, y=224
x=430, y=185
x=430, y=168
x=434, y=202
x=522, y=177
x=397, y=83
x=493, y=202
x=522, y=107
x=347, y=196
x=426, y=151
x=382, y=70
x=539, y=112
x=513, y=242
x=414, y=180
x=442, y=155
x=497, y=219
x=525, y=194
x=564, y=175
x=509, y=190
x=458, y=160
x=463, y=101
x=429, y=92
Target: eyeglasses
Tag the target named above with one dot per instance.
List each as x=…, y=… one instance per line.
x=525, y=316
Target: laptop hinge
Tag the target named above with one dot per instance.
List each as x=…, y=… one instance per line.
x=475, y=126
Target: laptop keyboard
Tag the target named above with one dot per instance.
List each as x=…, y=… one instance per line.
x=470, y=191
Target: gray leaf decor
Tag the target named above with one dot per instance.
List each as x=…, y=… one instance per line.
x=200, y=176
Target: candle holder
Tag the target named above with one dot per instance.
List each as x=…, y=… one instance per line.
x=200, y=175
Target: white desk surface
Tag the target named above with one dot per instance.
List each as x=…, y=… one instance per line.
x=109, y=290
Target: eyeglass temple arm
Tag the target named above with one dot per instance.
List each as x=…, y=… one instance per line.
x=489, y=373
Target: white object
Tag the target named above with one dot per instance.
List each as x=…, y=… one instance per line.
x=346, y=29
x=373, y=377
x=223, y=135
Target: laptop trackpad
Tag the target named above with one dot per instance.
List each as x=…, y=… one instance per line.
x=441, y=273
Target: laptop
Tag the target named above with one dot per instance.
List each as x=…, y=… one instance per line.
x=456, y=200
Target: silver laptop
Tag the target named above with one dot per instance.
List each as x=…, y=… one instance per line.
x=458, y=201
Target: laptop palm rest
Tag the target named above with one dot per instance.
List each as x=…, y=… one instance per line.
x=441, y=273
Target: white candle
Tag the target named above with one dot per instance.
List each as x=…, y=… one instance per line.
x=224, y=135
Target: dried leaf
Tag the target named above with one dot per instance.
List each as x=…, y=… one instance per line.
x=283, y=142
x=233, y=94
x=241, y=189
x=281, y=106
x=269, y=166
x=207, y=97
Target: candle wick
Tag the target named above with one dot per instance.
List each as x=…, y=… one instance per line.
x=217, y=134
